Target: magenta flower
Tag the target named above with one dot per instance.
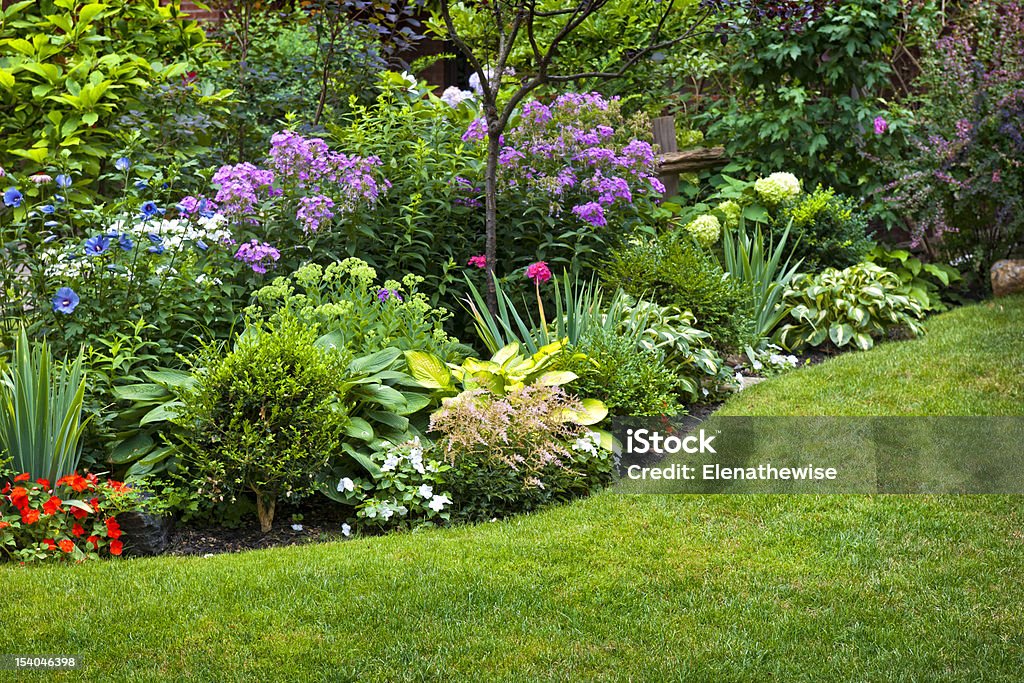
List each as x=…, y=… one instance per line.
x=538, y=272
x=257, y=255
x=480, y=261
x=881, y=125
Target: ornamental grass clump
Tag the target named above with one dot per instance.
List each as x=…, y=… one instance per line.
x=515, y=452
x=265, y=417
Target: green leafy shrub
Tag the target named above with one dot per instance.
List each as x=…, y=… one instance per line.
x=854, y=307
x=267, y=416
x=930, y=284
x=69, y=69
x=828, y=230
x=514, y=453
x=361, y=315
x=674, y=271
x=628, y=379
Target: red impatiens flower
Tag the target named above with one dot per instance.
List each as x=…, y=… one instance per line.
x=25, y=476
x=116, y=547
x=6, y=489
x=50, y=543
x=75, y=481
x=52, y=506
x=79, y=513
x=67, y=546
x=45, y=483
x=117, y=485
x=29, y=516
x=94, y=541
x=77, y=530
x=4, y=525
x=113, y=528
x=19, y=498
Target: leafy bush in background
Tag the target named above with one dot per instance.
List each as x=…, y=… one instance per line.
x=68, y=71
x=930, y=284
x=827, y=230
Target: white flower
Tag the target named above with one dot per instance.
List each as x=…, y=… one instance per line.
x=391, y=462
x=437, y=503
x=739, y=378
x=346, y=530
x=454, y=96
x=426, y=491
x=296, y=527
x=370, y=512
x=417, y=462
x=387, y=513
x=346, y=484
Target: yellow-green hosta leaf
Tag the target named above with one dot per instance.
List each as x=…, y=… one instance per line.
x=555, y=378
x=429, y=370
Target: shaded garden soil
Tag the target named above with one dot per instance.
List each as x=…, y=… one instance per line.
x=217, y=540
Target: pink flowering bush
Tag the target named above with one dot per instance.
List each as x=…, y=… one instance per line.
x=573, y=174
x=516, y=452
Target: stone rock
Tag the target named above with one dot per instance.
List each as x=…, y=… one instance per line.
x=1008, y=277
x=145, y=534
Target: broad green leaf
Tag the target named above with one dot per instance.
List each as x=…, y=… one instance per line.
x=358, y=428
x=141, y=392
x=131, y=449
x=556, y=379
x=429, y=370
x=162, y=413
x=376, y=362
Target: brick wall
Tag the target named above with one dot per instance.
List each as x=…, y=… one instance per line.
x=200, y=14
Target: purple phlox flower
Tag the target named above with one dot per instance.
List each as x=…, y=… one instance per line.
x=477, y=130
x=385, y=294
x=257, y=255
x=881, y=125
x=239, y=187
x=536, y=113
x=314, y=211
x=592, y=213
x=190, y=206
x=508, y=156
x=656, y=185
x=65, y=301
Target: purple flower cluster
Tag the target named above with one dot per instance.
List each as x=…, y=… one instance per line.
x=314, y=211
x=241, y=187
x=191, y=206
x=257, y=255
x=577, y=152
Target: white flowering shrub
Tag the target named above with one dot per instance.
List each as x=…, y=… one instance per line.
x=410, y=491
x=777, y=188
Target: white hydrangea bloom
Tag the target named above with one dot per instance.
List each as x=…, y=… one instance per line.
x=453, y=96
x=705, y=229
x=777, y=188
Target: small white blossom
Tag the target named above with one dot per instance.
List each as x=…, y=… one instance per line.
x=346, y=484
x=296, y=527
x=426, y=491
x=391, y=462
x=437, y=503
x=346, y=530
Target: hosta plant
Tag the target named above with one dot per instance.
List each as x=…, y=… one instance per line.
x=847, y=307
x=924, y=282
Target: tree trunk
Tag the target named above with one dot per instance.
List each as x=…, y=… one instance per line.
x=491, y=209
x=265, y=505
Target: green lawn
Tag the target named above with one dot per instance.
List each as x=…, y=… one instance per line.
x=718, y=588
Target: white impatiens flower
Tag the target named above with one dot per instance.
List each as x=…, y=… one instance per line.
x=346, y=484
x=386, y=512
x=426, y=491
x=346, y=530
x=588, y=443
x=296, y=527
x=777, y=188
x=391, y=462
x=437, y=503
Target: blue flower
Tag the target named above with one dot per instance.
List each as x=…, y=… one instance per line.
x=51, y=237
x=65, y=301
x=202, y=245
x=50, y=224
x=60, y=198
x=48, y=208
x=141, y=184
x=123, y=164
x=157, y=249
x=63, y=181
x=12, y=197
x=94, y=246
x=155, y=239
x=150, y=209
x=125, y=242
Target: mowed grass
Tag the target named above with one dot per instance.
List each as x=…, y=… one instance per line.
x=660, y=588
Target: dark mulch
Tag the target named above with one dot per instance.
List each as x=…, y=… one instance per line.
x=216, y=540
